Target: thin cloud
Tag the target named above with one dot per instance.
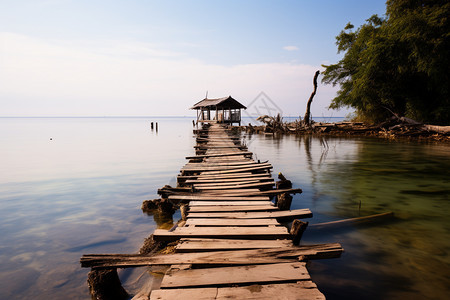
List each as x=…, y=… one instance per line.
x=290, y=48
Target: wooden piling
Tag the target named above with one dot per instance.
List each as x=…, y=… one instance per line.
x=284, y=201
x=297, y=229
x=105, y=285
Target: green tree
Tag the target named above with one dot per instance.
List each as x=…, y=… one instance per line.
x=398, y=64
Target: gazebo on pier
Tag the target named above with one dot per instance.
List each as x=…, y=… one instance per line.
x=222, y=110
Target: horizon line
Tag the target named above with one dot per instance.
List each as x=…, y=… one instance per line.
x=149, y=116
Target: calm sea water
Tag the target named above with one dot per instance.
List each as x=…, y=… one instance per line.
x=72, y=186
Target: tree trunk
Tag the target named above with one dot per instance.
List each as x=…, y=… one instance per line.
x=307, y=118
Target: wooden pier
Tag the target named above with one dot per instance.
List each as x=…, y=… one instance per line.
x=233, y=242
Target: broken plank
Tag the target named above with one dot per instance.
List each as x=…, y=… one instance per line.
x=283, y=272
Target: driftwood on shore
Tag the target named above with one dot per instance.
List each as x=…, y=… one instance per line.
x=391, y=128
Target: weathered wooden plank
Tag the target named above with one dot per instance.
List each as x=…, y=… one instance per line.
x=261, y=233
x=228, y=203
x=303, y=290
x=248, y=192
x=218, y=198
x=238, y=170
x=186, y=294
x=231, y=208
x=205, y=147
x=241, y=257
x=231, y=163
x=189, y=168
x=199, y=245
x=224, y=176
x=231, y=222
x=232, y=257
x=239, y=192
x=234, y=186
x=217, y=183
x=297, y=213
x=229, y=180
x=219, y=155
x=283, y=272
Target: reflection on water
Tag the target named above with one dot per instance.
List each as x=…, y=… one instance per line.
x=163, y=220
x=404, y=258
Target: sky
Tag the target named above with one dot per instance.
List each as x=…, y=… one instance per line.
x=158, y=58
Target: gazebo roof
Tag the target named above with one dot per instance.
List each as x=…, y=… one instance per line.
x=225, y=102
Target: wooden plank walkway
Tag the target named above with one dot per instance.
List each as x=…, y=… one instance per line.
x=234, y=217
x=230, y=243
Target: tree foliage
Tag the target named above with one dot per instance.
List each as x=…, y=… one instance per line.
x=396, y=64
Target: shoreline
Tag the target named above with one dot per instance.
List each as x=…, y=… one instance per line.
x=350, y=129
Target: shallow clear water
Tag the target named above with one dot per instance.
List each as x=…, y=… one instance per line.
x=81, y=192
x=402, y=258
x=78, y=193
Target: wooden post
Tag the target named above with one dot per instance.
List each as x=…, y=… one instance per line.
x=105, y=284
x=156, y=126
x=151, y=125
x=297, y=229
x=284, y=201
x=283, y=183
